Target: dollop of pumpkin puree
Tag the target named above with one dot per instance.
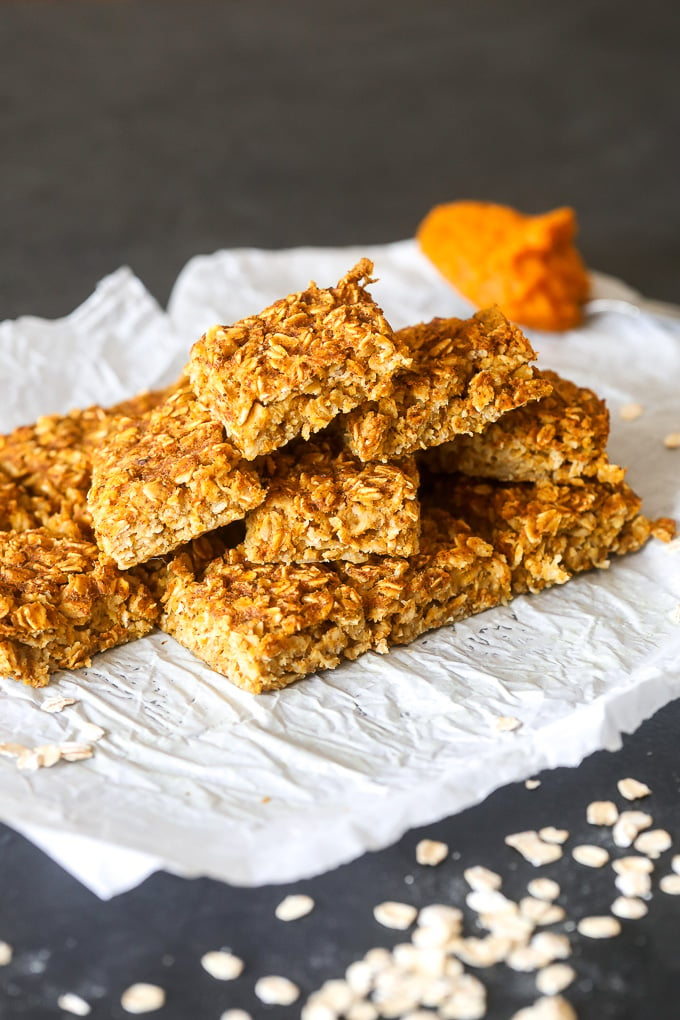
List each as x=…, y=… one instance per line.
x=527, y=265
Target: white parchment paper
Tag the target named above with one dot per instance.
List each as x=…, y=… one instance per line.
x=200, y=778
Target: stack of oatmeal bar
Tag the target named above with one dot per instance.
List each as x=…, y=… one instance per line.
x=315, y=485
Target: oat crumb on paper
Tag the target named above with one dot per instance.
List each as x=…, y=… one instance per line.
x=631, y=412
x=672, y=441
x=58, y=704
x=507, y=723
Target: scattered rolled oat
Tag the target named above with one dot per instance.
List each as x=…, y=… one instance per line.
x=633, y=789
x=675, y=864
x=603, y=927
x=632, y=864
x=333, y=999
x=71, y=1003
x=43, y=757
x=236, y=1014
x=142, y=998
x=222, y=965
x=480, y=878
x=6, y=953
x=551, y=945
x=395, y=915
x=431, y=852
x=670, y=884
x=362, y=1011
x=653, y=842
x=440, y=915
x=315, y=1009
x=590, y=856
x=12, y=750
x=533, y=849
x=467, y=1000
x=552, y=1008
x=71, y=750
x=554, y=978
x=489, y=901
x=526, y=959
x=629, y=907
x=552, y=835
x=513, y=926
x=628, y=827
x=602, y=812
x=633, y=883
x=543, y=889
x=483, y=952
x=276, y=991
x=672, y=441
x=532, y=784
x=291, y=908
x=90, y=731
x=629, y=412
x=540, y=911
x=507, y=723
x=53, y=705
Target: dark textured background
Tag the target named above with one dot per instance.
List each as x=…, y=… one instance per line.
x=146, y=132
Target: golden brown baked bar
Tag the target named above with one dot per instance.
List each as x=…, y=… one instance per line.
x=262, y=626
x=60, y=602
x=560, y=438
x=465, y=374
x=324, y=504
x=456, y=574
x=165, y=478
x=18, y=510
x=51, y=461
x=547, y=532
x=289, y=370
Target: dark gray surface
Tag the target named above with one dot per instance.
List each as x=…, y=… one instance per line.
x=144, y=133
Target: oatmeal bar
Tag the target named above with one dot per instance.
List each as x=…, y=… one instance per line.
x=324, y=504
x=51, y=461
x=560, y=438
x=465, y=374
x=262, y=626
x=455, y=575
x=60, y=602
x=291, y=369
x=165, y=478
x=547, y=532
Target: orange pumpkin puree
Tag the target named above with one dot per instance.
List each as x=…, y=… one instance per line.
x=528, y=265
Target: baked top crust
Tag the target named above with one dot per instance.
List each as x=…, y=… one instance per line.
x=465, y=373
x=291, y=369
x=324, y=504
x=164, y=478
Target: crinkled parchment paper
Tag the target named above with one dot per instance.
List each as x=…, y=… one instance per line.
x=198, y=777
